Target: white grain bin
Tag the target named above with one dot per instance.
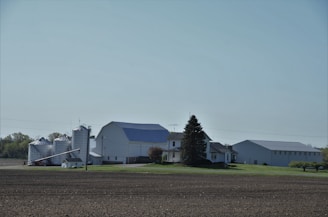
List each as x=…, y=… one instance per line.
x=39, y=149
x=61, y=144
x=80, y=137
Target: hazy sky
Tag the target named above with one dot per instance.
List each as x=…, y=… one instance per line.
x=248, y=69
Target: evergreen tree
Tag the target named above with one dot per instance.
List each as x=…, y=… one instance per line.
x=193, y=147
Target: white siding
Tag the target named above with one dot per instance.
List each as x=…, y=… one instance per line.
x=112, y=144
x=80, y=140
x=251, y=153
x=283, y=158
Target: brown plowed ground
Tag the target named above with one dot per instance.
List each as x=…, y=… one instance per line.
x=72, y=193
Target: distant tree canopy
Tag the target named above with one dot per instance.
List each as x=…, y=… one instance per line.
x=324, y=152
x=54, y=136
x=193, y=146
x=14, y=146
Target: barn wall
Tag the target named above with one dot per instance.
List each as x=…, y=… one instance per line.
x=251, y=153
x=111, y=143
x=283, y=158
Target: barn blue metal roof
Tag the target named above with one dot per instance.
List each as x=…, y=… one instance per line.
x=284, y=146
x=150, y=133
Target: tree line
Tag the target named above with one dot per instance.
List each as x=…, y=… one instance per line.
x=16, y=145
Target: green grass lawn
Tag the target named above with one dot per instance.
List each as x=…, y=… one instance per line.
x=234, y=169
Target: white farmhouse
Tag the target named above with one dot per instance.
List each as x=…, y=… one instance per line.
x=275, y=153
x=221, y=153
x=119, y=142
x=172, y=152
x=215, y=151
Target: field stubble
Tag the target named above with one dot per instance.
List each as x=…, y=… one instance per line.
x=77, y=193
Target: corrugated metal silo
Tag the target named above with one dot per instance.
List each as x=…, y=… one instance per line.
x=61, y=144
x=38, y=149
x=80, y=137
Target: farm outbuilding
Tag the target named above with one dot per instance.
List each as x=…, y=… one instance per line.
x=120, y=142
x=72, y=163
x=275, y=153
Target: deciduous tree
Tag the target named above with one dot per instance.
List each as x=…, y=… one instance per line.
x=155, y=154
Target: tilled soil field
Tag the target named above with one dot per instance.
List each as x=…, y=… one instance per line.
x=72, y=193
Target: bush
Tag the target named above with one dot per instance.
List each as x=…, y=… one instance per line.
x=155, y=154
x=304, y=165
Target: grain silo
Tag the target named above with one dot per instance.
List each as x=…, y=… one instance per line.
x=80, y=139
x=39, y=149
x=61, y=144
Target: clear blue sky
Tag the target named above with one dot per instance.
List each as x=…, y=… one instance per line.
x=248, y=69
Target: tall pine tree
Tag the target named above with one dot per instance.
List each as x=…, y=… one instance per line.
x=193, y=147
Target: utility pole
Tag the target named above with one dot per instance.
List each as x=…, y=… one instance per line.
x=87, y=152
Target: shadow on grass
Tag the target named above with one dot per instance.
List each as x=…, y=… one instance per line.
x=221, y=165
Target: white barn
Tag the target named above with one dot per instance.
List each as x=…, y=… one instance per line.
x=119, y=142
x=275, y=153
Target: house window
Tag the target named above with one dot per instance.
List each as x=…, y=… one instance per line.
x=275, y=152
x=304, y=153
x=285, y=152
x=280, y=152
x=115, y=157
x=314, y=154
x=309, y=153
x=294, y=152
x=173, y=155
x=299, y=153
x=213, y=156
x=173, y=143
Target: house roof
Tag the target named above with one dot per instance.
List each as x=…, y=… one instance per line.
x=179, y=136
x=175, y=136
x=284, y=146
x=217, y=147
x=150, y=133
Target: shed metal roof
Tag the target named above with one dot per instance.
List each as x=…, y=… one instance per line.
x=284, y=146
